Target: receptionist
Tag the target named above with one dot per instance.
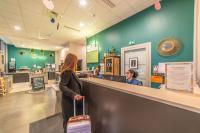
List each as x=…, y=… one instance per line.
x=131, y=77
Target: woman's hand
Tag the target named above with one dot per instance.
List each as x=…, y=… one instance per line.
x=78, y=97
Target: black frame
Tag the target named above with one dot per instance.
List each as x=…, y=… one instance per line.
x=136, y=60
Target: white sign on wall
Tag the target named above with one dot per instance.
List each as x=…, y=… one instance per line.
x=92, y=47
x=179, y=76
x=162, y=68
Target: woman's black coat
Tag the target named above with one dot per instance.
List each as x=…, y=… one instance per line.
x=70, y=86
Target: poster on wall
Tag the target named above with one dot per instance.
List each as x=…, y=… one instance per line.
x=179, y=76
x=92, y=55
x=133, y=63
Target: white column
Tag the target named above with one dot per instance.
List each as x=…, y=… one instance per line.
x=198, y=41
x=197, y=46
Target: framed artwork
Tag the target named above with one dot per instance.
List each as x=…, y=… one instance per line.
x=169, y=47
x=133, y=63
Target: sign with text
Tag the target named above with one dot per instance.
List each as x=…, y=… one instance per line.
x=92, y=55
x=179, y=76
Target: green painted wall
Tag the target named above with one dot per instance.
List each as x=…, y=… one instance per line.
x=175, y=19
x=29, y=59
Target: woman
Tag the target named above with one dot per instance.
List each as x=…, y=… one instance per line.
x=70, y=87
x=97, y=72
x=131, y=76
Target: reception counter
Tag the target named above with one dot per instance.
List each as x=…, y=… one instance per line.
x=122, y=108
x=25, y=76
x=19, y=77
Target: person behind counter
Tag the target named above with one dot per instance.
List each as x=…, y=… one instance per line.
x=131, y=76
x=97, y=72
x=70, y=87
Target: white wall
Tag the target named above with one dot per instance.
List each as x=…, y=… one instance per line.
x=73, y=47
x=80, y=51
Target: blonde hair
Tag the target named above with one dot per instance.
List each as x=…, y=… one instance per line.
x=70, y=62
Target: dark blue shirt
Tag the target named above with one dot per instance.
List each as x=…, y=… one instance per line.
x=99, y=76
x=134, y=82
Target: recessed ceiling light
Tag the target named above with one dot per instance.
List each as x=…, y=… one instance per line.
x=48, y=4
x=81, y=24
x=22, y=45
x=16, y=27
x=57, y=47
x=83, y=2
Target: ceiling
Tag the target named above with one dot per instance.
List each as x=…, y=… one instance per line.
x=38, y=32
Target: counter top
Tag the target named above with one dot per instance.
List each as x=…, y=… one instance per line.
x=18, y=72
x=184, y=100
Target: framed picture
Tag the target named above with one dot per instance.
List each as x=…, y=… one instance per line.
x=133, y=63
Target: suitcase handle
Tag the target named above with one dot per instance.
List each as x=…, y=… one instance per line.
x=83, y=106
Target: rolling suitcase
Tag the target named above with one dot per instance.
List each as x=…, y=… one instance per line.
x=79, y=124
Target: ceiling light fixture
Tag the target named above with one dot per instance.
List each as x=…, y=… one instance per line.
x=81, y=24
x=157, y=5
x=48, y=4
x=83, y=2
x=16, y=27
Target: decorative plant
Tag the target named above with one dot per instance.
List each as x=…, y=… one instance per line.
x=112, y=50
x=42, y=51
x=32, y=50
x=21, y=52
x=51, y=55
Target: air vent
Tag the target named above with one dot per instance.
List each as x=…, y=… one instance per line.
x=109, y=3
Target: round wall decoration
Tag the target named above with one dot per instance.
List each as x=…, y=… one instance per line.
x=169, y=47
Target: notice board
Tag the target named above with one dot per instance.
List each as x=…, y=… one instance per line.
x=92, y=55
x=179, y=76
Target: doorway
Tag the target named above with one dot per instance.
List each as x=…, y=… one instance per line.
x=141, y=54
x=79, y=65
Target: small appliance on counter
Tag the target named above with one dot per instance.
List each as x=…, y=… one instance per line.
x=51, y=67
x=24, y=68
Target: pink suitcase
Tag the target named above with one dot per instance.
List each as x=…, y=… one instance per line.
x=79, y=124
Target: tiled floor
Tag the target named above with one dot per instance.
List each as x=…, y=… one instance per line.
x=18, y=110
x=19, y=87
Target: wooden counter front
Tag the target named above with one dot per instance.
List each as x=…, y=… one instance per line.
x=122, y=108
x=182, y=100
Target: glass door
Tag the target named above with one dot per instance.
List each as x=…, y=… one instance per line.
x=109, y=65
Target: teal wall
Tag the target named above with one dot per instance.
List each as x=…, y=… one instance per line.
x=175, y=19
x=29, y=59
